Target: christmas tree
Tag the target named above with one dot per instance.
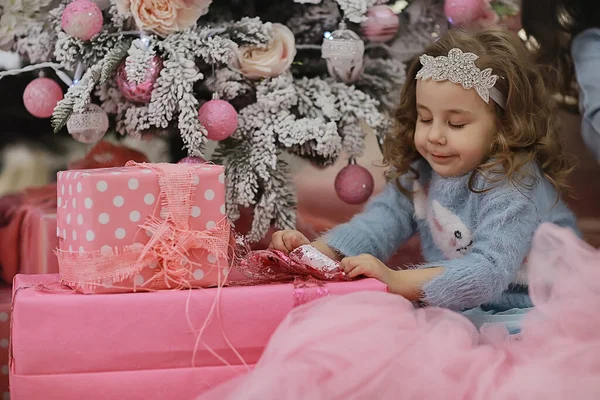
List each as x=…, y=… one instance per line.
x=264, y=79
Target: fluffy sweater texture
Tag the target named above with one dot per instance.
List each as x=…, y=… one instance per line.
x=586, y=58
x=480, y=239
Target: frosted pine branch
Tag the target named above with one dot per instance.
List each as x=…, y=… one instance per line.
x=383, y=79
x=355, y=105
x=136, y=120
x=190, y=129
x=309, y=26
x=113, y=58
x=242, y=182
x=315, y=99
x=312, y=138
x=354, y=139
x=250, y=32
x=216, y=50
x=277, y=204
x=355, y=10
x=229, y=84
x=76, y=98
x=113, y=102
x=285, y=203
x=117, y=19
x=138, y=61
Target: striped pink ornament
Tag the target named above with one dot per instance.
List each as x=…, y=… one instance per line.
x=381, y=24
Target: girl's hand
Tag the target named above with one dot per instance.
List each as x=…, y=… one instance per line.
x=367, y=265
x=287, y=240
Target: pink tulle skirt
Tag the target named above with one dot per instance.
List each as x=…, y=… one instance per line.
x=373, y=345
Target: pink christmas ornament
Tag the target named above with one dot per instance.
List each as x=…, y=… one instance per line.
x=41, y=96
x=88, y=126
x=219, y=118
x=82, y=19
x=354, y=184
x=381, y=24
x=139, y=92
x=192, y=160
x=463, y=12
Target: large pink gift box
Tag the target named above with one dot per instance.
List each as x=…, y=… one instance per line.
x=5, y=306
x=67, y=345
x=107, y=216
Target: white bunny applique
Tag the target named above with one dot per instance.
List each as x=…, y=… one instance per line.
x=449, y=233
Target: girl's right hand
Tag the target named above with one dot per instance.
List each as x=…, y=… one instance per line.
x=287, y=240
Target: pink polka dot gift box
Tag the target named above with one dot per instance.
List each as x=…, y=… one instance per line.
x=142, y=227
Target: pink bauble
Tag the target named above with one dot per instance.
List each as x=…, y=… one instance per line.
x=41, y=96
x=219, y=118
x=192, y=160
x=354, y=184
x=463, y=12
x=88, y=126
x=381, y=24
x=139, y=92
x=82, y=19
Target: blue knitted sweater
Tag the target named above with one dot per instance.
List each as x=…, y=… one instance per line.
x=480, y=239
x=586, y=58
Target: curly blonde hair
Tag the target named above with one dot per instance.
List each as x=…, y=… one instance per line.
x=527, y=129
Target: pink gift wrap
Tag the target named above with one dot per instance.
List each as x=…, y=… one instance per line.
x=102, y=211
x=38, y=242
x=5, y=306
x=67, y=345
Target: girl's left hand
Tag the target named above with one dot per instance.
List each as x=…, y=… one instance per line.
x=366, y=265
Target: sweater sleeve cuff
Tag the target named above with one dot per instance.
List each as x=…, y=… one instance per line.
x=345, y=240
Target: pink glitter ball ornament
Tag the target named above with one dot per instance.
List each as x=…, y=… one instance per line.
x=463, y=12
x=139, y=92
x=82, y=19
x=41, y=96
x=192, y=160
x=354, y=184
x=219, y=118
x=381, y=24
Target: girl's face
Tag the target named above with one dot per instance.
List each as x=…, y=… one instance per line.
x=455, y=128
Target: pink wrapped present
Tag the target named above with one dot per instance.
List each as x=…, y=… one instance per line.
x=5, y=306
x=142, y=227
x=144, y=345
x=38, y=242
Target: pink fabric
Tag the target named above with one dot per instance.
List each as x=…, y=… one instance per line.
x=142, y=227
x=5, y=306
x=378, y=346
x=159, y=384
x=144, y=331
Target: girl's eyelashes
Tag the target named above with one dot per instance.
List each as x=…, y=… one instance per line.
x=451, y=125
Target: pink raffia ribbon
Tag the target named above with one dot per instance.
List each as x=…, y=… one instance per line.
x=168, y=250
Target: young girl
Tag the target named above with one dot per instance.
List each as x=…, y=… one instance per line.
x=568, y=37
x=475, y=168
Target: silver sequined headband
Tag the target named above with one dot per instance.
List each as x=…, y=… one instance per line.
x=460, y=68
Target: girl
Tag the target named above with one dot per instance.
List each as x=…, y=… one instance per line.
x=475, y=168
x=568, y=35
